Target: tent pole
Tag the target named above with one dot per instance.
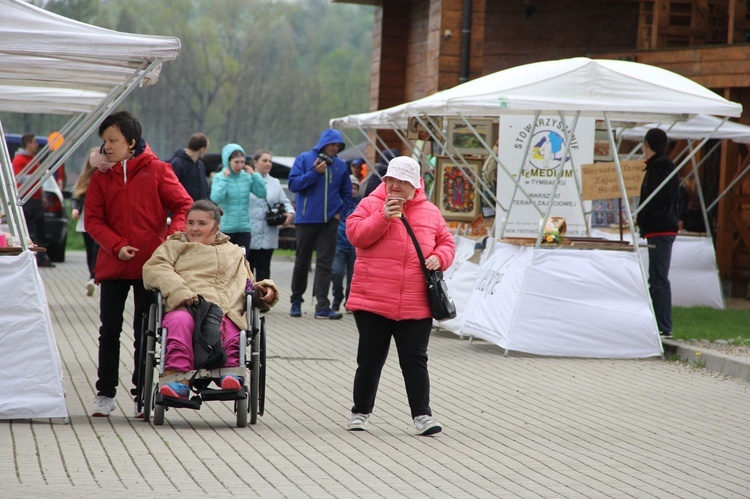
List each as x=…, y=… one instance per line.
x=475, y=182
x=677, y=168
x=558, y=175
x=569, y=136
x=729, y=187
x=59, y=156
x=621, y=181
x=699, y=188
x=16, y=220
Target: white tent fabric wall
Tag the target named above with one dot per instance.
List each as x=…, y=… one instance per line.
x=30, y=368
x=460, y=279
x=522, y=293
x=50, y=64
x=693, y=271
x=554, y=302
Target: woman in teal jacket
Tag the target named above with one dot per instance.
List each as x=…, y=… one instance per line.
x=231, y=189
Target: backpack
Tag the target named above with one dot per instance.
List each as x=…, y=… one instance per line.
x=208, y=349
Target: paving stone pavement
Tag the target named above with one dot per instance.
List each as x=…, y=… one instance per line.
x=514, y=426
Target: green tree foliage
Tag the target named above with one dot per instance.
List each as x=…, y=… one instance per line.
x=263, y=73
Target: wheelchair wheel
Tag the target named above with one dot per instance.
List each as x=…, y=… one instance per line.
x=158, y=415
x=148, y=379
x=255, y=378
x=262, y=391
x=147, y=391
x=241, y=406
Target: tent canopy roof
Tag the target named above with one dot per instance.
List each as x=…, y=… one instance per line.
x=44, y=50
x=17, y=99
x=697, y=128
x=624, y=90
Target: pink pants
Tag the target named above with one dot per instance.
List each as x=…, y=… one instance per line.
x=179, y=348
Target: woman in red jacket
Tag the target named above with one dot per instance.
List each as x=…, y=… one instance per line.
x=389, y=293
x=126, y=212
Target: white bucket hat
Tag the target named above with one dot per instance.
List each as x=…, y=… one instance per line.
x=404, y=168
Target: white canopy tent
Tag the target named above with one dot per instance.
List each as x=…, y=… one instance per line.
x=696, y=128
x=50, y=64
x=694, y=272
x=604, y=306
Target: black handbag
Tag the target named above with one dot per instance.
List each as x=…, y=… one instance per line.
x=276, y=214
x=208, y=348
x=441, y=303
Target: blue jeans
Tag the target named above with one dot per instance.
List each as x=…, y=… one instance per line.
x=343, y=263
x=659, y=259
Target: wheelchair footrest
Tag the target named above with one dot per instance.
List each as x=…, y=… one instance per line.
x=211, y=394
x=193, y=403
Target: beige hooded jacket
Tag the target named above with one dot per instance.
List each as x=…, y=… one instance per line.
x=182, y=270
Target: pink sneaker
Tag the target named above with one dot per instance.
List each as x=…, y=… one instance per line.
x=175, y=390
x=230, y=382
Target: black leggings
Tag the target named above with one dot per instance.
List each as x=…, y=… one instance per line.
x=412, y=338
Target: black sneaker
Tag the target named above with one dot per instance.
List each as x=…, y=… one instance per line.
x=665, y=335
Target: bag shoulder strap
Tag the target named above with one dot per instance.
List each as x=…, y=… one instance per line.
x=416, y=246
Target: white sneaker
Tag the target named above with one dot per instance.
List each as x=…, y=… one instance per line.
x=426, y=425
x=90, y=287
x=358, y=422
x=104, y=406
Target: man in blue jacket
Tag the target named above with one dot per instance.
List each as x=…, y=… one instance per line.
x=324, y=195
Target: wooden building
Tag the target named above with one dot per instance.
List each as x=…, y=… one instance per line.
x=424, y=46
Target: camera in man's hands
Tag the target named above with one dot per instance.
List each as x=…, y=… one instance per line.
x=324, y=157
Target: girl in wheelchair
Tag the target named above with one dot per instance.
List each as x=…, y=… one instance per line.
x=202, y=261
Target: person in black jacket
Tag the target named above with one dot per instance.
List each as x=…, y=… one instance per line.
x=658, y=223
x=189, y=169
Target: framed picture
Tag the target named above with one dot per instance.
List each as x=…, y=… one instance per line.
x=601, y=146
x=463, y=139
x=453, y=193
x=416, y=130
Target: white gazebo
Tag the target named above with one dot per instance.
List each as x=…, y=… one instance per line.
x=545, y=299
x=51, y=64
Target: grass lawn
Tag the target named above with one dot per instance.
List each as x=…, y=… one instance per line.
x=703, y=323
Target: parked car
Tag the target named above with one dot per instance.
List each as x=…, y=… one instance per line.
x=56, y=219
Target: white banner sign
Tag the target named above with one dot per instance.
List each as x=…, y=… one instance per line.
x=539, y=170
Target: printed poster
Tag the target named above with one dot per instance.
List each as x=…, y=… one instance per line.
x=538, y=175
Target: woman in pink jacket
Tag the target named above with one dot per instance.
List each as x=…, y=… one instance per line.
x=389, y=294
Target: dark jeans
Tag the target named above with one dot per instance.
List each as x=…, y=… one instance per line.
x=659, y=258
x=343, y=263
x=92, y=250
x=320, y=238
x=260, y=262
x=412, y=338
x=114, y=293
x=241, y=239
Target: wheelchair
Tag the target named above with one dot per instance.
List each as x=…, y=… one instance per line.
x=249, y=400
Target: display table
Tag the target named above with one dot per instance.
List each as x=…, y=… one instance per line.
x=564, y=302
